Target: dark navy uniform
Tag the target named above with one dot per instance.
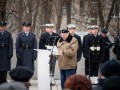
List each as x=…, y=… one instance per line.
x=6, y=52
x=86, y=59
x=25, y=45
x=107, y=46
x=47, y=39
x=116, y=48
x=50, y=40
x=89, y=28
x=79, y=51
x=94, y=50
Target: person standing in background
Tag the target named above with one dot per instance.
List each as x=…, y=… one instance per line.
x=67, y=58
x=107, y=44
x=94, y=51
x=89, y=28
x=6, y=51
x=72, y=30
x=49, y=38
x=25, y=44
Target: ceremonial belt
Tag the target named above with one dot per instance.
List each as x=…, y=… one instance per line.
x=3, y=45
x=24, y=46
x=95, y=48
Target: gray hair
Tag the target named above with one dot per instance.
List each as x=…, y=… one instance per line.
x=13, y=86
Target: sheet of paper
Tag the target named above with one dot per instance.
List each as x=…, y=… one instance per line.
x=55, y=49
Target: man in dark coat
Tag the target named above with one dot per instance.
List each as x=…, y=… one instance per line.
x=89, y=28
x=49, y=38
x=25, y=44
x=6, y=51
x=72, y=29
x=94, y=50
x=116, y=48
x=107, y=44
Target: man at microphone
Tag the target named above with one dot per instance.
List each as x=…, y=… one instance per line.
x=49, y=38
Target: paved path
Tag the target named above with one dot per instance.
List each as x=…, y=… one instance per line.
x=35, y=87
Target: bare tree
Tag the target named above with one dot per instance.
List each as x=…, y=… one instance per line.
x=102, y=21
x=59, y=11
x=2, y=10
x=68, y=10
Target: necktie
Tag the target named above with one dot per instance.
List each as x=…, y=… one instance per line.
x=26, y=33
x=1, y=33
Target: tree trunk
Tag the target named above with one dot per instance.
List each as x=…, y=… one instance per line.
x=2, y=10
x=20, y=15
x=111, y=13
x=68, y=8
x=59, y=14
x=47, y=6
x=100, y=13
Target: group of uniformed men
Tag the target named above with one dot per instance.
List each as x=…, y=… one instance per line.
x=95, y=48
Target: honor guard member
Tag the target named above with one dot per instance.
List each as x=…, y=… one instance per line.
x=72, y=30
x=25, y=44
x=67, y=58
x=94, y=51
x=89, y=28
x=49, y=38
x=6, y=51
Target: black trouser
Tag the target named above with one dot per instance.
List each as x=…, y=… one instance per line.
x=94, y=67
x=3, y=76
x=86, y=67
x=52, y=65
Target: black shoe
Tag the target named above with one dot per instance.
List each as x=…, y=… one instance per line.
x=29, y=84
x=52, y=84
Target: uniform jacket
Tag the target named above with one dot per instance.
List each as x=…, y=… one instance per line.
x=116, y=48
x=79, y=51
x=107, y=49
x=84, y=40
x=6, y=51
x=69, y=58
x=95, y=55
x=47, y=39
x=25, y=52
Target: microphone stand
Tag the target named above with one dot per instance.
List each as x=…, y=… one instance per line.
x=50, y=62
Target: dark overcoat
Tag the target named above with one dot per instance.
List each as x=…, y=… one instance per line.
x=47, y=39
x=6, y=51
x=116, y=48
x=94, y=52
x=95, y=55
x=86, y=59
x=79, y=51
x=84, y=40
x=25, y=45
x=107, y=47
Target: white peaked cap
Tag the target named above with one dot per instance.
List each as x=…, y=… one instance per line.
x=49, y=25
x=92, y=26
x=71, y=26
